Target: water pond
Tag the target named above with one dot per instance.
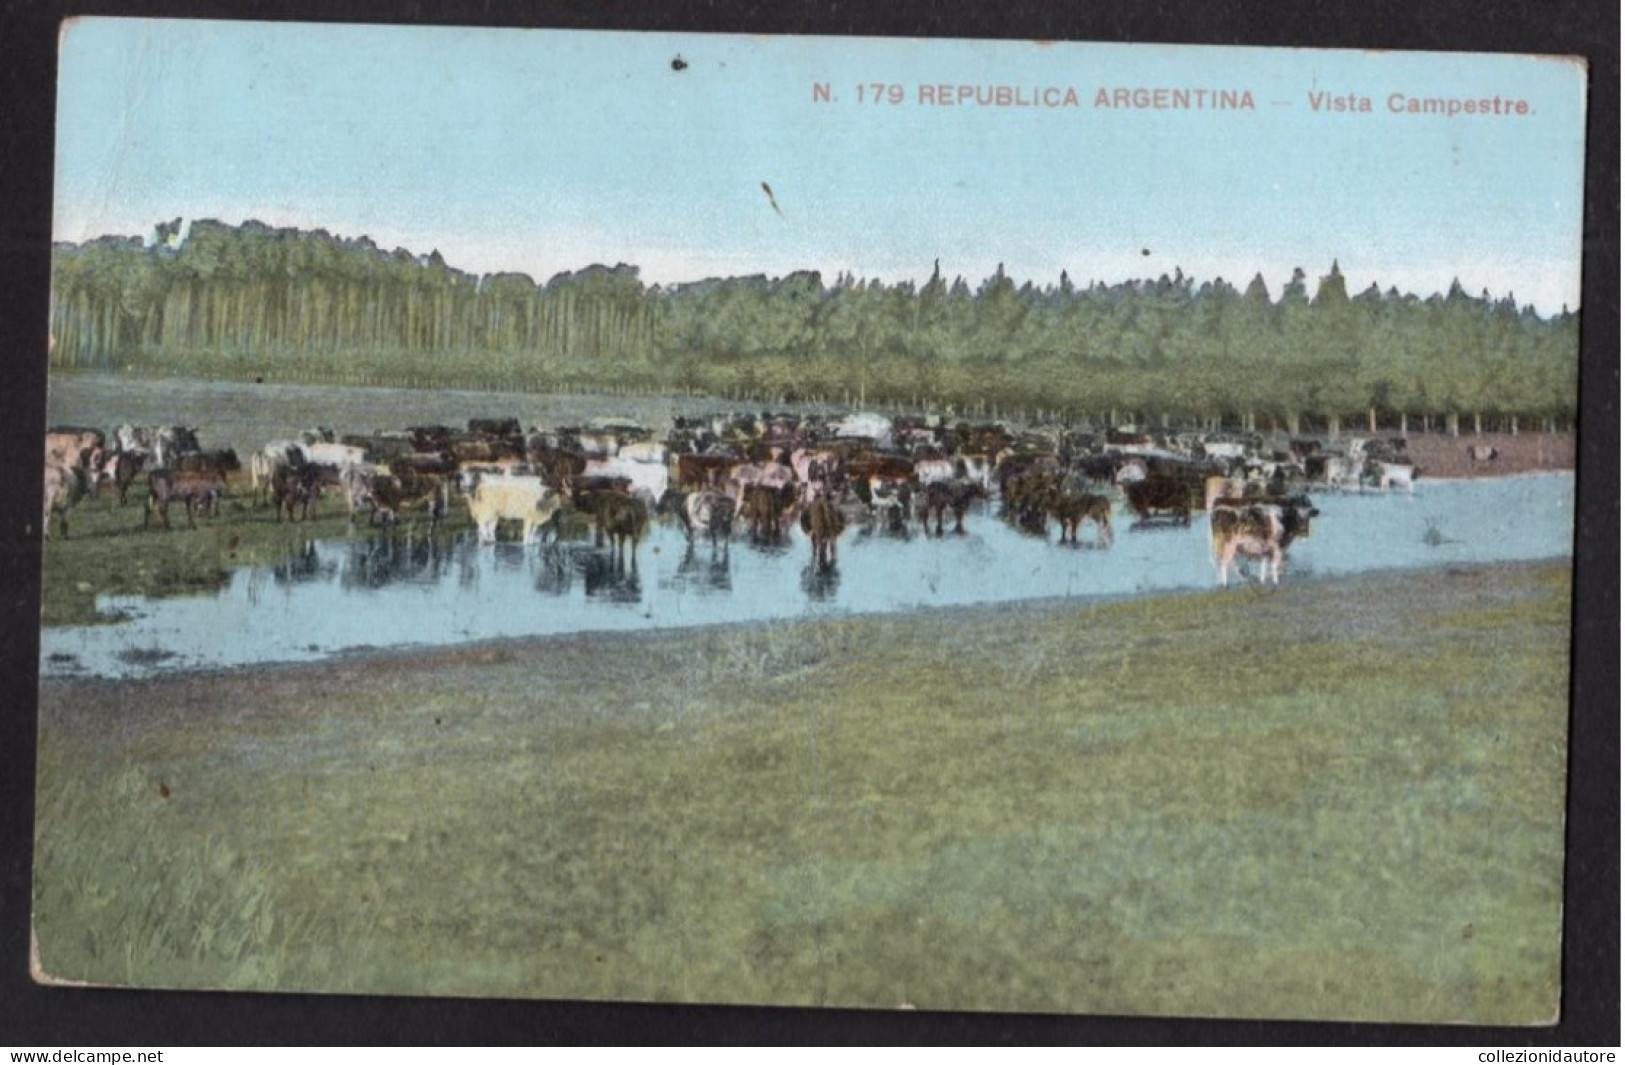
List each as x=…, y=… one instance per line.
x=377, y=591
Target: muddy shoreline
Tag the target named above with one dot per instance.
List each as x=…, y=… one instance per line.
x=1440, y=457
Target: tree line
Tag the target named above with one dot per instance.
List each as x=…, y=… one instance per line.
x=262, y=303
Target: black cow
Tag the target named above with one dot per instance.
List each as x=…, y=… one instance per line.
x=295, y=489
x=955, y=496
x=1160, y=495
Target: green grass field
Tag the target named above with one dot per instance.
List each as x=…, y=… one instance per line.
x=1329, y=800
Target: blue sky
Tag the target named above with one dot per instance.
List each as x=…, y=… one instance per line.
x=542, y=151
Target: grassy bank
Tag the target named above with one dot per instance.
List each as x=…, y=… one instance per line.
x=1340, y=799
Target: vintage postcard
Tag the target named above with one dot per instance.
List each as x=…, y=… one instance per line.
x=953, y=525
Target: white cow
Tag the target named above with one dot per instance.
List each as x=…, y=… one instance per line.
x=514, y=498
x=978, y=470
x=930, y=471
x=873, y=426
x=335, y=456
x=649, y=479
x=1225, y=450
x=645, y=451
x=1396, y=475
x=1342, y=473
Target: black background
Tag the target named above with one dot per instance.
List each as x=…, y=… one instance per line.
x=61, y=1017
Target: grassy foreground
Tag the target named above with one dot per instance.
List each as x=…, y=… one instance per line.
x=1328, y=800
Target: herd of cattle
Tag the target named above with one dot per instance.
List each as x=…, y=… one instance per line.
x=765, y=474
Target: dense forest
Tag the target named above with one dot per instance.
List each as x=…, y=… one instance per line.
x=284, y=305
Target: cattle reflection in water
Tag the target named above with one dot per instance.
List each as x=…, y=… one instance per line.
x=608, y=576
x=701, y=572
x=302, y=565
x=379, y=561
x=507, y=590
x=604, y=576
x=821, y=582
x=555, y=569
x=884, y=525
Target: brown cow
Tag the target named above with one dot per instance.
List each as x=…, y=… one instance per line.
x=623, y=519
x=558, y=468
x=1072, y=509
x=216, y=463
x=1026, y=498
x=768, y=510
x=120, y=468
x=193, y=490
x=404, y=487
x=589, y=495
x=704, y=471
x=74, y=447
x=295, y=488
x=823, y=523
x=893, y=468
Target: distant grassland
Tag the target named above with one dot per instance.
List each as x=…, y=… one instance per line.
x=1333, y=800
x=243, y=415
